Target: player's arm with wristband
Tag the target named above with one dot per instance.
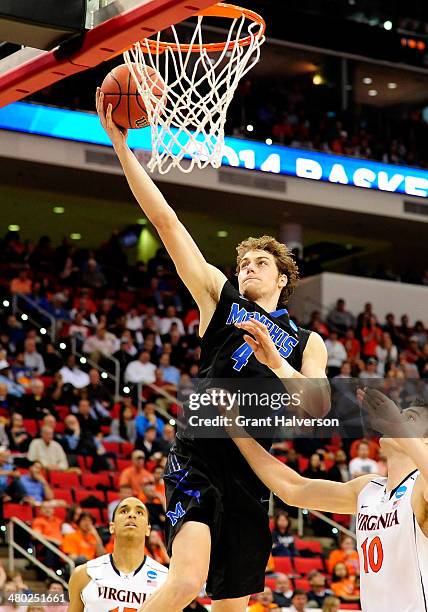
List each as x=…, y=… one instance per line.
x=203, y=280
x=310, y=384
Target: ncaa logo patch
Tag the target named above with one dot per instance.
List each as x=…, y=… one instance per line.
x=400, y=492
x=152, y=574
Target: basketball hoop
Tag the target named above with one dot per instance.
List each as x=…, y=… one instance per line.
x=187, y=123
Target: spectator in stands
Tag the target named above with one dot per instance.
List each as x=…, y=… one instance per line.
x=148, y=444
x=124, y=492
x=346, y=553
x=18, y=436
x=419, y=334
x=141, y=370
x=345, y=370
x=6, y=399
x=101, y=344
x=123, y=429
x=49, y=525
x=371, y=335
x=147, y=419
x=53, y=360
x=171, y=374
x=386, y=353
x=78, y=328
x=390, y=327
x=170, y=318
x=371, y=370
x=316, y=468
x=9, y=478
x=47, y=451
x=72, y=374
x=282, y=538
x=352, y=345
x=71, y=519
x=97, y=393
x=84, y=543
x=343, y=585
x=77, y=442
x=35, y=486
x=339, y=318
x=299, y=601
x=283, y=591
x=336, y=354
x=92, y=276
x=318, y=592
x=22, y=283
x=18, y=372
x=264, y=602
x=403, y=332
x=136, y=476
x=422, y=362
x=133, y=319
x=339, y=472
x=331, y=604
x=156, y=548
x=35, y=405
x=87, y=417
x=167, y=439
x=154, y=504
x=126, y=353
x=32, y=358
x=9, y=589
x=362, y=464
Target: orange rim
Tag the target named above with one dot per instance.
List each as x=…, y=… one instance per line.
x=229, y=11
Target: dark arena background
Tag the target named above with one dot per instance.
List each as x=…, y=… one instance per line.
x=326, y=149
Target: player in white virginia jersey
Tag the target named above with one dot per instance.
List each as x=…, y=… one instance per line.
x=122, y=581
x=392, y=512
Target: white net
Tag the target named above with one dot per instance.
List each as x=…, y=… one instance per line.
x=188, y=113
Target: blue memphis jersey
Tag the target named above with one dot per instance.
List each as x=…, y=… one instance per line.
x=224, y=352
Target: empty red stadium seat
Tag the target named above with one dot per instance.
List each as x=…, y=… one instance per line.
x=81, y=494
x=283, y=565
x=31, y=426
x=112, y=496
x=126, y=448
x=349, y=606
x=25, y=513
x=302, y=583
x=314, y=546
x=62, y=411
x=303, y=464
x=270, y=582
x=305, y=565
x=46, y=380
x=90, y=481
x=122, y=464
x=105, y=430
x=62, y=480
x=112, y=447
x=342, y=519
x=65, y=494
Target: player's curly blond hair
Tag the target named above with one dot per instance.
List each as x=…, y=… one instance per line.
x=283, y=257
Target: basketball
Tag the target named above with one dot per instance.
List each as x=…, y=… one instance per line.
x=120, y=90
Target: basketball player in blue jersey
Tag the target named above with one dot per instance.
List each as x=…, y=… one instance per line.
x=217, y=521
x=127, y=577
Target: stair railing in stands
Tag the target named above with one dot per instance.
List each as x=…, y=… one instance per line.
x=116, y=365
x=35, y=535
x=322, y=517
x=32, y=305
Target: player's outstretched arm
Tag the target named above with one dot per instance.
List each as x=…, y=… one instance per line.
x=314, y=393
x=295, y=490
x=203, y=280
x=78, y=580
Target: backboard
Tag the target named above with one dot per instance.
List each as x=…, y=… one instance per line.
x=111, y=26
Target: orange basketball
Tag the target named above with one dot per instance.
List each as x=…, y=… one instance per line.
x=120, y=90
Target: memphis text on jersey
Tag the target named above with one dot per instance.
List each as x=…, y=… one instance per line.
x=121, y=595
x=367, y=522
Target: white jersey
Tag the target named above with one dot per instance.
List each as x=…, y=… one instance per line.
x=392, y=548
x=113, y=591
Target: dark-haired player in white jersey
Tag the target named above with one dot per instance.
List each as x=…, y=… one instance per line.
x=124, y=579
x=392, y=512
x=217, y=520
